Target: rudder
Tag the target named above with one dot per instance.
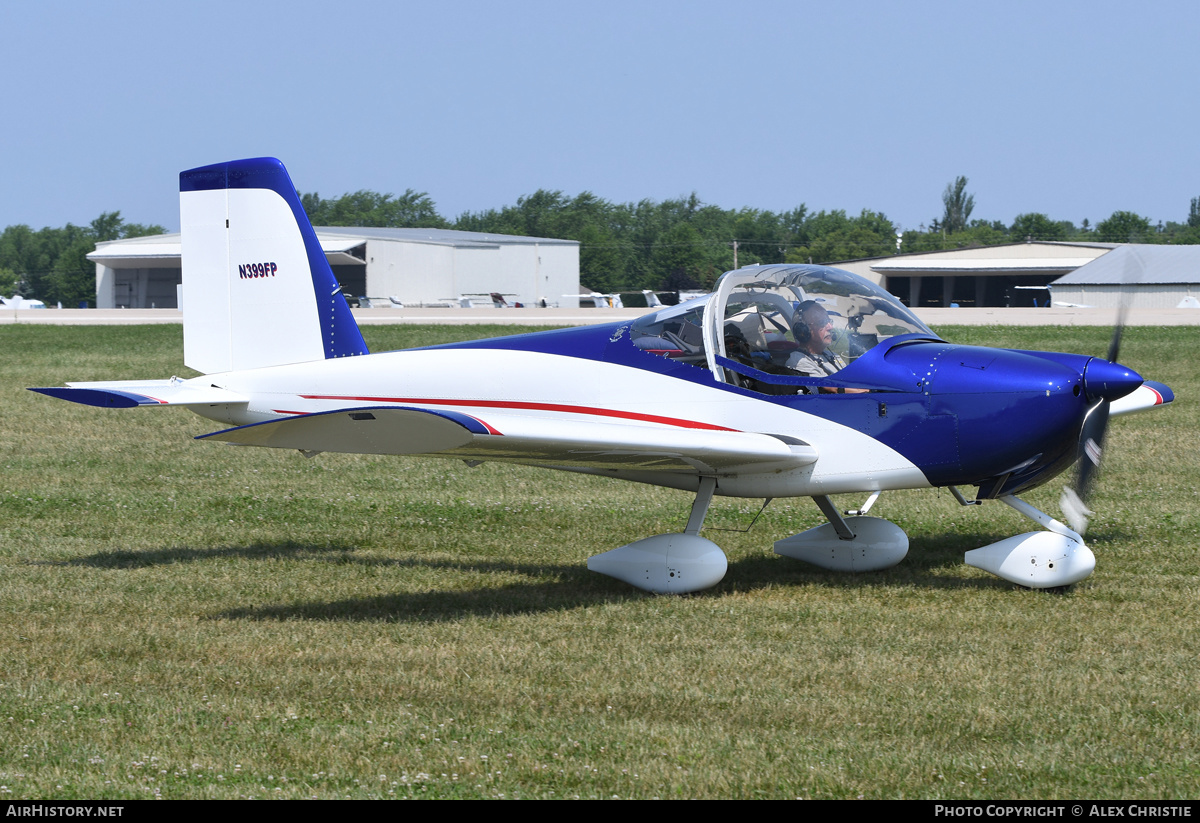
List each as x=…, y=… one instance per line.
x=257, y=289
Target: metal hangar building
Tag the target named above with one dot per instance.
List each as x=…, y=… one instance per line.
x=1038, y=273
x=414, y=266
x=1142, y=276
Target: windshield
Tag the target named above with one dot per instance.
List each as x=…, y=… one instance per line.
x=809, y=321
x=676, y=332
x=792, y=321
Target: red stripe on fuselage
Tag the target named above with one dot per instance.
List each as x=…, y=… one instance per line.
x=517, y=404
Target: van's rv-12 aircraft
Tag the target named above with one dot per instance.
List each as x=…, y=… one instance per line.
x=697, y=396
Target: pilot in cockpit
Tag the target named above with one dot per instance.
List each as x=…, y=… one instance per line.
x=813, y=330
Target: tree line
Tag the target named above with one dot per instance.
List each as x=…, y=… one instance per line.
x=687, y=243
x=681, y=243
x=51, y=264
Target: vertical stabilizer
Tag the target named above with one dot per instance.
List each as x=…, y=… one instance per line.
x=257, y=289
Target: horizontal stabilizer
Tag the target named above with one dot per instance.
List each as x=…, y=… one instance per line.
x=1144, y=397
x=125, y=394
x=367, y=430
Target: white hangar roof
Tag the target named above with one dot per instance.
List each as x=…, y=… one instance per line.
x=437, y=237
x=1138, y=264
x=1011, y=258
x=137, y=251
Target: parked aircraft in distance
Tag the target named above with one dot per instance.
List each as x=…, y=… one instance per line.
x=614, y=300
x=785, y=381
x=611, y=300
x=19, y=302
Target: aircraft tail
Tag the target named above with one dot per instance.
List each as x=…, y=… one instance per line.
x=257, y=289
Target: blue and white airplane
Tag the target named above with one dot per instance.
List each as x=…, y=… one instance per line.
x=698, y=396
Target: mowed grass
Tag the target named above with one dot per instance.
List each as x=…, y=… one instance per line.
x=184, y=619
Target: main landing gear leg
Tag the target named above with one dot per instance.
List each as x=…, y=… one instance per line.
x=704, y=496
x=1039, y=560
x=670, y=563
x=851, y=544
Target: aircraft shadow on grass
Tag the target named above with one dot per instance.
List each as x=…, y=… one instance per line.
x=146, y=558
x=553, y=587
x=566, y=586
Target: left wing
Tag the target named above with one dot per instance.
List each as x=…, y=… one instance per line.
x=539, y=441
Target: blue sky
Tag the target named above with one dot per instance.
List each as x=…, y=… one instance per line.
x=1072, y=109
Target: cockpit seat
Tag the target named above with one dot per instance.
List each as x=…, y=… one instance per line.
x=752, y=327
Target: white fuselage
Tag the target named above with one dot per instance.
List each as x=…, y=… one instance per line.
x=557, y=389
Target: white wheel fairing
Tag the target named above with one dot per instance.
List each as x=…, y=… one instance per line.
x=877, y=544
x=1039, y=560
x=665, y=564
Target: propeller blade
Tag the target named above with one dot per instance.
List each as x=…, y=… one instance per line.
x=1074, y=502
x=1131, y=274
x=1109, y=382
x=1091, y=447
x=1114, y=346
x=1074, y=511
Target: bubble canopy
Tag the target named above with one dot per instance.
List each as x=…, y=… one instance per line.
x=755, y=317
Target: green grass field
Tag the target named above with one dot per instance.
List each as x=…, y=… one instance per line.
x=192, y=620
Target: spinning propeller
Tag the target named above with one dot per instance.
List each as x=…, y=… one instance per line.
x=1103, y=382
